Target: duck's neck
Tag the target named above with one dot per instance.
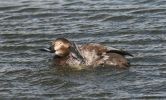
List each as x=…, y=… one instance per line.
x=60, y=60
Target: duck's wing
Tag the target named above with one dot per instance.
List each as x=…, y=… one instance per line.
x=118, y=51
x=76, y=51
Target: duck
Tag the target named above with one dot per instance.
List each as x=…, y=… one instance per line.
x=90, y=55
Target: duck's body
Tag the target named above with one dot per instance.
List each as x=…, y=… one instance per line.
x=87, y=55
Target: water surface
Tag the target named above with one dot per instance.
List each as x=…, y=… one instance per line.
x=138, y=26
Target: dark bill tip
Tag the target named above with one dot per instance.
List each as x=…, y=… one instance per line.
x=47, y=50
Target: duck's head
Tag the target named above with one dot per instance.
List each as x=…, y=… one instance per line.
x=62, y=47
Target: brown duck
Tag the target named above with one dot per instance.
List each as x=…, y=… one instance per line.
x=91, y=55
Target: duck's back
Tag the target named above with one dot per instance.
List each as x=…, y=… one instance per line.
x=97, y=54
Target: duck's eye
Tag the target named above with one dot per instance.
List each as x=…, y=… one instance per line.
x=60, y=43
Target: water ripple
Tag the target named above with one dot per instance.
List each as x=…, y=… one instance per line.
x=135, y=26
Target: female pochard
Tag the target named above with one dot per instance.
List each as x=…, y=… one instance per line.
x=90, y=55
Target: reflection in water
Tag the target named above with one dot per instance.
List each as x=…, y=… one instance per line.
x=28, y=25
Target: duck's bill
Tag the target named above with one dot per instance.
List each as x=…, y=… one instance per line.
x=50, y=50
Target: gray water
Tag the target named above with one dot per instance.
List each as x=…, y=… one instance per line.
x=138, y=26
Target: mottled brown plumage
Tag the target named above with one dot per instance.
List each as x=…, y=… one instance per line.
x=88, y=55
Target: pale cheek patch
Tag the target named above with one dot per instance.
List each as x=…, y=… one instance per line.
x=57, y=47
x=58, y=53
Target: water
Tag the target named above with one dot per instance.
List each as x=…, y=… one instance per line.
x=138, y=26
